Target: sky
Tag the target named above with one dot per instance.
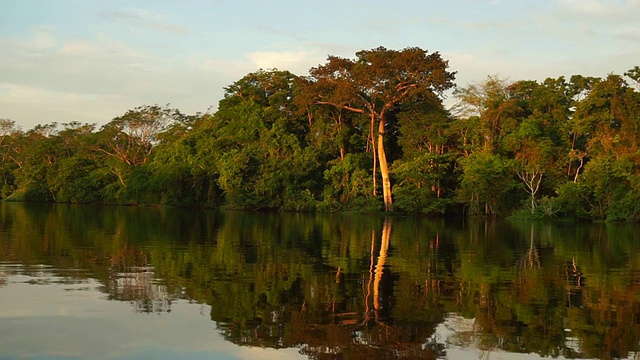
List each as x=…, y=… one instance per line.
x=92, y=60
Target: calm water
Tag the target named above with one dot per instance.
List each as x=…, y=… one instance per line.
x=118, y=282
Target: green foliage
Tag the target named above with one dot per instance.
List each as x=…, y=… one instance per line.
x=602, y=186
x=261, y=161
x=421, y=183
x=79, y=180
x=355, y=129
x=487, y=183
x=348, y=185
x=298, y=200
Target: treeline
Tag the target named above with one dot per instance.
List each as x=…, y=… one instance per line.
x=363, y=134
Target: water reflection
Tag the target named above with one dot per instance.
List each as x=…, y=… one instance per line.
x=331, y=286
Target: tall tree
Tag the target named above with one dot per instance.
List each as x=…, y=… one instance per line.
x=261, y=160
x=533, y=153
x=132, y=137
x=129, y=140
x=374, y=83
x=491, y=104
x=8, y=130
x=424, y=173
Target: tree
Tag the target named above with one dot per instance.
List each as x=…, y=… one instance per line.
x=491, y=104
x=542, y=142
x=129, y=140
x=424, y=173
x=261, y=159
x=486, y=181
x=37, y=153
x=607, y=120
x=6, y=128
x=132, y=137
x=184, y=169
x=634, y=74
x=375, y=83
x=8, y=131
x=533, y=155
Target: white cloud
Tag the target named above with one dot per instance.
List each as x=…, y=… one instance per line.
x=610, y=10
x=143, y=18
x=61, y=107
x=42, y=38
x=298, y=62
x=73, y=66
x=95, y=80
x=460, y=59
x=583, y=6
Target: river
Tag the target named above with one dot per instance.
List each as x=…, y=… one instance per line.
x=100, y=282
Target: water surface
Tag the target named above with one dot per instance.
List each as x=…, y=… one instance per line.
x=126, y=282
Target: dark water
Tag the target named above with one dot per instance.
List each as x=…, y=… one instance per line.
x=117, y=282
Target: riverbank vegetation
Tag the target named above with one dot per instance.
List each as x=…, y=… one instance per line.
x=364, y=134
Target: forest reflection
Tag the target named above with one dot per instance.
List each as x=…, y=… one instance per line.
x=353, y=285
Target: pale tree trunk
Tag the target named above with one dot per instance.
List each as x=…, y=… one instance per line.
x=532, y=182
x=374, y=152
x=580, y=156
x=384, y=169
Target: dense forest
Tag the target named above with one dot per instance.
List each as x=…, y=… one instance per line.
x=365, y=134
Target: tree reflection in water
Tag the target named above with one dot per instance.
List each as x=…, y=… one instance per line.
x=354, y=286
x=133, y=279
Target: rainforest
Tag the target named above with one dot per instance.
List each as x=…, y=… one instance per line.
x=388, y=130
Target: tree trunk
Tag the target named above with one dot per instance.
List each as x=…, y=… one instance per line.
x=384, y=169
x=375, y=153
x=532, y=184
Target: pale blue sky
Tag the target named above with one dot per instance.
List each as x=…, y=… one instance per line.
x=90, y=60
